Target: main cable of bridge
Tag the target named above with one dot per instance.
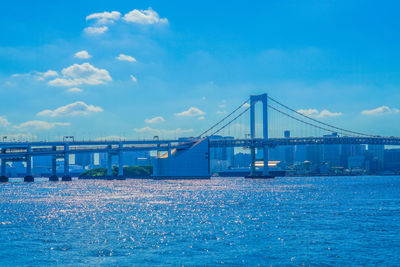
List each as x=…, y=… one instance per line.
x=310, y=124
x=337, y=129
x=223, y=119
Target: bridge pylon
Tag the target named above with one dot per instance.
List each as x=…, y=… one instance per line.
x=264, y=100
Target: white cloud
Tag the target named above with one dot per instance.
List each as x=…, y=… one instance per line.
x=157, y=119
x=82, y=54
x=74, y=109
x=326, y=113
x=81, y=74
x=41, y=125
x=47, y=74
x=17, y=75
x=314, y=113
x=133, y=78
x=143, y=17
x=191, y=112
x=383, y=110
x=75, y=90
x=246, y=105
x=37, y=75
x=221, y=112
x=4, y=121
x=123, y=57
x=105, y=17
x=96, y=30
x=201, y=118
x=150, y=130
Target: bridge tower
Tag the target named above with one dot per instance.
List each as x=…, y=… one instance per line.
x=264, y=100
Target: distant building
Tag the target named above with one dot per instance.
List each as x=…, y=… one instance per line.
x=221, y=158
x=331, y=153
x=242, y=160
x=83, y=159
x=300, y=153
x=376, y=155
x=392, y=160
x=356, y=162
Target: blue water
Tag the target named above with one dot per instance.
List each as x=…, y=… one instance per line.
x=286, y=221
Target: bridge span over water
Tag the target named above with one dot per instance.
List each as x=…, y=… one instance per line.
x=189, y=157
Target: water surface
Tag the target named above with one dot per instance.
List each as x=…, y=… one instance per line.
x=284, y=221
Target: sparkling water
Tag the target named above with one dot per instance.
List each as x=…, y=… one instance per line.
x=337, y=221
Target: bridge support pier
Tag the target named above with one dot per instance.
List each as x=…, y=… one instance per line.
x=3, y=176
x=265, y=135
x=121, y=163
x=265, y=169
x=109, y=165
x=252, y=135
x=66, y=176
x=54, y=177
x=28, y=177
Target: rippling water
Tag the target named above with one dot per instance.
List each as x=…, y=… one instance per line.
x=334, y=221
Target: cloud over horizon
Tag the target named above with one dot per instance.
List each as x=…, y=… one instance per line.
x=40, y=125
x=4, y=121
x=104, y=17
x=75, y=109
x=383, y=110
x=191, y=112
x=314, y=113
x=157, y=119
x=78, y=74
x=96, y=30
x=82, y=54
x=144, y=17
x=123, y=57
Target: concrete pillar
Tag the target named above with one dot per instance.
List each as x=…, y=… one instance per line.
x=121, y=162
x=265, y=134
x=28, y=177
x=66, y=176
x=109, y=164
x=3, y=176
x=252, y=136
x=158, y=161
x=3, y=167
x=54, y=176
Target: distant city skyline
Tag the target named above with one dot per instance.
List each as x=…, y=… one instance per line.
x=135, y=70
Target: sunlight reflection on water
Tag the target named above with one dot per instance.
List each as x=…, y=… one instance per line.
x=202, y=222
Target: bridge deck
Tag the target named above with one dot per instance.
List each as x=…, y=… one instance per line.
x=18, y=149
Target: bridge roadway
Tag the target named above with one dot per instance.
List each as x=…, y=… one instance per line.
x=273, y=142
x=10, y=150
x=24, y=151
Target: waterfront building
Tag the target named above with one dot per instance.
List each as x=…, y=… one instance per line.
x=221, y=158
x=331, y=153
x=376, y=155
x=392, y=159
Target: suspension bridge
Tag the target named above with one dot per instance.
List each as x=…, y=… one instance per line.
x=256, y=124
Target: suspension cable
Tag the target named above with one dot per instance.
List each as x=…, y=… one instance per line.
x=227, y=116
x=229, y=122
x=308, y=123
x=326, y=124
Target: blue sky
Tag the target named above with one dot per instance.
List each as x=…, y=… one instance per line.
x=172, y=68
